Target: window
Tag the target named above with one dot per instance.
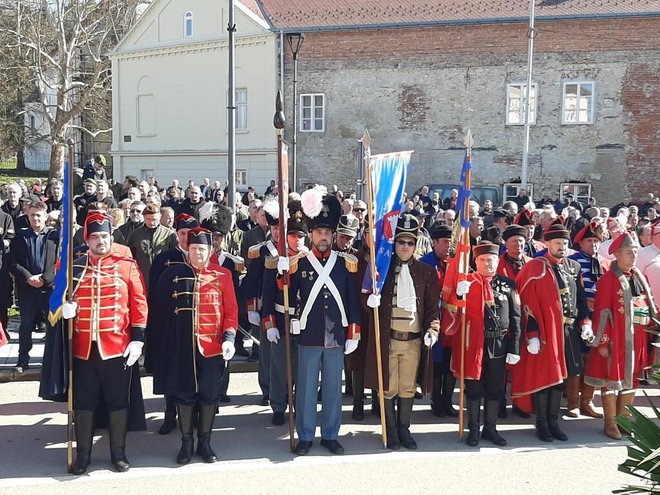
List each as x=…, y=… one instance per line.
x=515, y=104
x=188, y=24
x=312, y=113
x=241, y=178
x=580, y=192
x=578, y=103
x=511, y=191
x=241, y=110
x=145, y=173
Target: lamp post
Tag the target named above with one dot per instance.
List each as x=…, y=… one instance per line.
x=295, y=42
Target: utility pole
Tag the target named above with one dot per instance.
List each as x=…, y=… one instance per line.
x=531, y=34
x=231, y=113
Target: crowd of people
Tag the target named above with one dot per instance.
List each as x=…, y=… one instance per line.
x=557, y=290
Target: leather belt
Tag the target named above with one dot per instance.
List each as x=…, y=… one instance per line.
x=404, y=336
x=496, y=334
x=280, y=309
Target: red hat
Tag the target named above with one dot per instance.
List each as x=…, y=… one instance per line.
x=593, y=229
x=625, y=240
x=200, y=235
x=96, y=222
x=185, y=221
x=524, y=218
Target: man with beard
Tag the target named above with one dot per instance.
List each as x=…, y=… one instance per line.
x=443, y=379
x=199, y=333
x=110, y=311
x=554, y=319
x=408, y=311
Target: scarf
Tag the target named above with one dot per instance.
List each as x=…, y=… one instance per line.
x=406, y=298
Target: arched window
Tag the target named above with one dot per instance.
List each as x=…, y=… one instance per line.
x=188, y=24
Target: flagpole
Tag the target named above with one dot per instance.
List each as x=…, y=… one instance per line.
x=283, y=179
x=69, y=298
x=366, y=143
x=463, y=268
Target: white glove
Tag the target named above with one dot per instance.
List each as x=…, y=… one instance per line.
x=534, y=345
x=430, y=338
x=512, y=358
x=133, y=352
x=587, y=333
x=228, y=350
x=463, y=288
x=283, y=264
x=254, y=318
x=350, y=346
x=273, y=335
x=69, y=310
x=373, y=301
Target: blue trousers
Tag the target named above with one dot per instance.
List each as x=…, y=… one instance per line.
x=33, y=305
x=311, y=361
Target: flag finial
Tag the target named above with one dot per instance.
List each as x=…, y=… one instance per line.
x=469, y=141
x=366, y=139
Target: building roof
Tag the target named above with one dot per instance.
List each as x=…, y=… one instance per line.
x=310, y=15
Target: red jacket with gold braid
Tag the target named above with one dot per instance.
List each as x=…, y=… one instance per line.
x=112, y=305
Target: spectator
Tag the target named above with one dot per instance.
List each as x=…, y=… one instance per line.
x=12, y=206
x=95, y=169
x=103, y=194
x=135, y=219
x=270, y=188
x=56, y=195
x=167, y=217
x=193, y=203
x=80, y=202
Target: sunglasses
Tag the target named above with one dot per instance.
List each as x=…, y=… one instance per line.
x=406, y=243
x=361, y=210
x=136, y=211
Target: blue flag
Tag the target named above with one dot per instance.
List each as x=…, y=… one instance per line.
x=389, y=173
x=464, y=191
x=60, y=284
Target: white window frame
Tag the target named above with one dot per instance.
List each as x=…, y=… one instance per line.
x=241, y=177
x=577, y=110
x=521, y=111
x=312, y=107
x=188, y=19
x=241, y=105
x=566, y=188
x=517, y=186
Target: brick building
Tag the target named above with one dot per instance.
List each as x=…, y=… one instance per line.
x=418, y=74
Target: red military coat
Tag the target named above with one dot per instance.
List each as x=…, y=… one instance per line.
x=505, y=268
x=112, y=306
x=621, y=330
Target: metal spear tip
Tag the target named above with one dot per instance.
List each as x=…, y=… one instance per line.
x=469, y=142
x=366, y=139
x=70, y=142
x=278, y=119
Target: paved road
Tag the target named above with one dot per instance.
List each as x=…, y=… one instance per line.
x=255, y=459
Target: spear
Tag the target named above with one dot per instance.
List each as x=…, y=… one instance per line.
x=69, y=298
x=283, y=180
x=366, y=142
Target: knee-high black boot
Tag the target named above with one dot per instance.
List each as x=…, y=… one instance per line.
x=490, y=420
x=84, y=426
x=358, y=395
x=117, y=428
x=405, y=413
x=541, y=408
x=170, y=417
x=473, y=410
x=436, y=393
x=204, y=428
x=187, y=441
x=554, y=403
x=448, y=384
x=390, y=425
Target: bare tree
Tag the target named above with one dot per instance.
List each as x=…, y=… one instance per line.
x=63, y=46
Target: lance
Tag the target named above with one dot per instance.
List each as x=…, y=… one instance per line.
x=283, y=180
x=366, y=142
x=464, y=261
x=69, y=299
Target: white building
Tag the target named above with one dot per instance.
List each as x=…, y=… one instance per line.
x=169, y=108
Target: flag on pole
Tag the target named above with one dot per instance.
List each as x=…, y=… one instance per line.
x=60, y=284
x=388, y=176
x=458, y=263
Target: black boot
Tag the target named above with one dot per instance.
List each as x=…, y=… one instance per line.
x=473, y=410
x=553, y=415
x=436, y=393
x=170, y=417
x=117, y=428
x=390, y=425
x=348, y=375
x=491, y=413
x=501, y=409
x=375, y=403
x=448, y=384
x=84, y=425
x=541, y=407
x=204, y=428
x=358, y=395
x=404, y=413
x=186, y=424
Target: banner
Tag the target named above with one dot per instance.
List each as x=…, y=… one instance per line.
x=60, y=284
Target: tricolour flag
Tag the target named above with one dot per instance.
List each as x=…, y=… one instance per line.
x=388, y=176
x=60, y=284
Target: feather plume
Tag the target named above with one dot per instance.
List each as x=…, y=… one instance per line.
x=206, y=211
x=272, y=208
x=312, y=202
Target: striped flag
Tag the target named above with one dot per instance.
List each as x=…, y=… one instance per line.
x=60, y=284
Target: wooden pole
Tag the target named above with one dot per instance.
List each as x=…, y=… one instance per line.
x=283, y=180
x=69, y=322
x=366, y=140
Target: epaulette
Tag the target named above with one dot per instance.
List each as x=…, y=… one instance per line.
x=239, y=263
x=271, y=262
x=350, y=260
x=254, y=251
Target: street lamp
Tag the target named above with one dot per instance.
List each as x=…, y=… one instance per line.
x=295, y=42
